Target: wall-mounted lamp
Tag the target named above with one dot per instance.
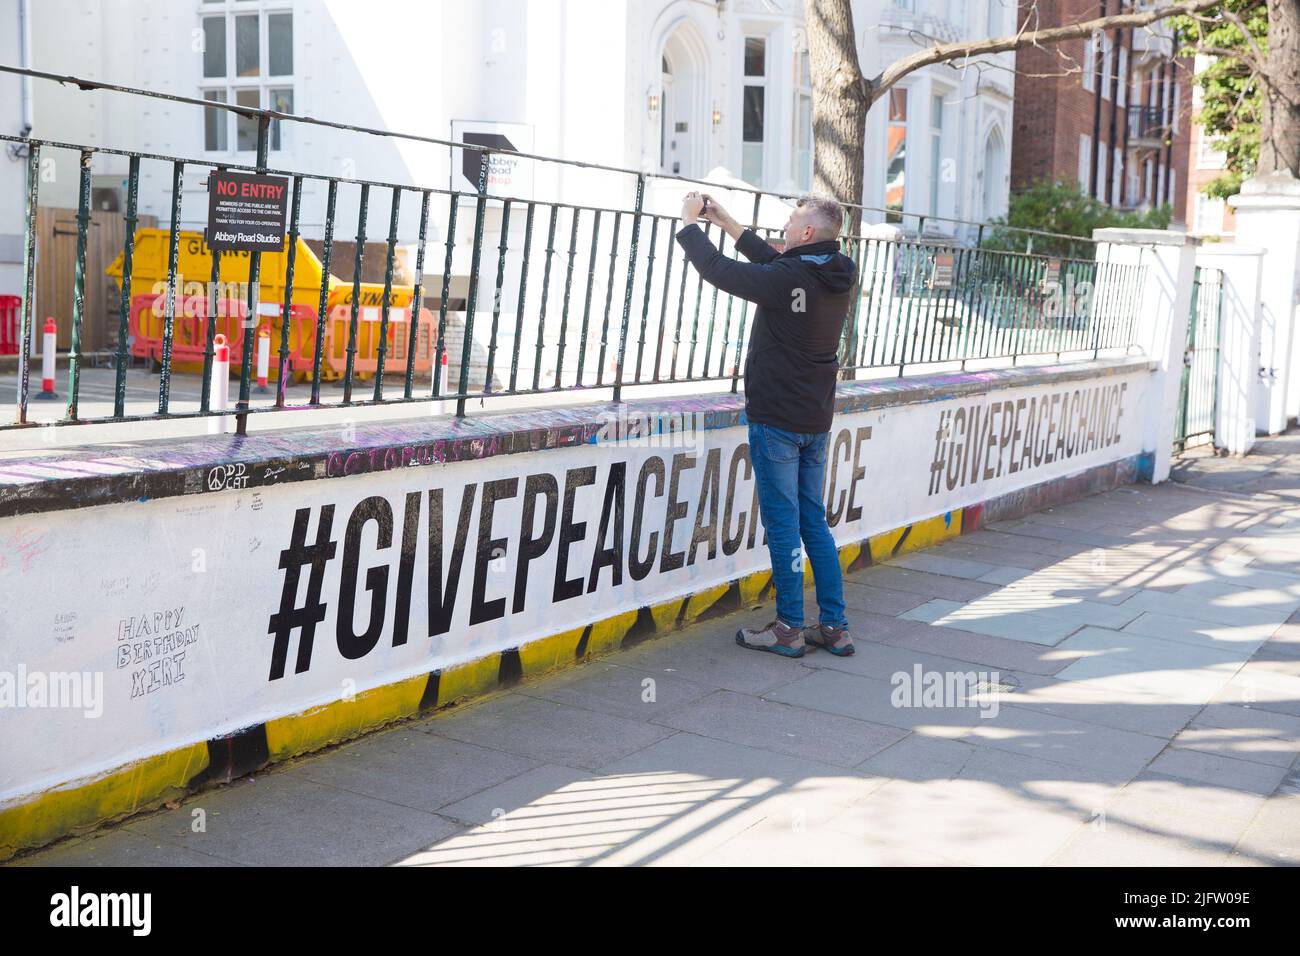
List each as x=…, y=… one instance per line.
x=717, y=118
x=652, y=103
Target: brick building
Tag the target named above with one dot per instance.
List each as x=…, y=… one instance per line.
x=1118, y=122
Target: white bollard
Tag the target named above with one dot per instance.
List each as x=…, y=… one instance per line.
x=219, y=395
x=440, y=382
x=49, y=346
x=263, y=361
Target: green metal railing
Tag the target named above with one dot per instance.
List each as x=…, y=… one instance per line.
x=616, y=307
x=1198, y=393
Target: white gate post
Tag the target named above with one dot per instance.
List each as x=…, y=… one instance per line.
x=1163, y=308
x=1239, y=342
x=1268, y=216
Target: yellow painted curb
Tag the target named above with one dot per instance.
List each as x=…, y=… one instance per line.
x=134, y=787
x=607, y=635
x=469, y=680
x=300, y=733
x=550, y=653
x=697, y=604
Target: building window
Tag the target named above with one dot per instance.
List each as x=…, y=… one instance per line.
x=1106, y=56
x=1172, y=191
x=1100, y=191
x=1089, y=65
x=247, y=60
x=1116, y=174
x=993, y=23
x=936, y=150
x=1207, y=157
x=1121, y=87
x=1174, y=118
x=754, y=110
x=803, y=141
x=1208, y=217
x=896, y=154
x=1085, y=164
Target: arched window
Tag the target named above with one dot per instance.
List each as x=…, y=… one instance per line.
x=994, y=161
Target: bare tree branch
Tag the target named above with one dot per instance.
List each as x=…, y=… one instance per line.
x=965, y=49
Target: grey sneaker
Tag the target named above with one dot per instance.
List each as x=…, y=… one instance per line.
x=837, y=640
x=776, y=637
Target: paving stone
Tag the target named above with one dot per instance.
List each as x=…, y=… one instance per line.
x=919, y=757
x=413, y=768
x=1001, y=558
x=780, y=725
x=1003, y=809
x=285, y=819
x=523, y=790
x=715, y=661
x=119, y=846
x=1116, y=755
x=865, y=597
x=1242, y=743
x=993, y=652
x=548, y=732
x=1004, y=576
x=1243, y=638
x=881, y=703
x=1009, y=624
x=1273, y=836
x=1163, y=668
x=1219, y=770
x=1109, y=706
x=941, y=564
x=1213, y=610
x=612, y=688
x=1262, y=689
x=922, y=582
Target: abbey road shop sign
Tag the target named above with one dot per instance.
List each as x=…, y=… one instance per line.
x=246, y=212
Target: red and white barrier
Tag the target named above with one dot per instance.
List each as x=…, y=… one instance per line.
x=49, y=346
x=263, y=361
x=219, y=394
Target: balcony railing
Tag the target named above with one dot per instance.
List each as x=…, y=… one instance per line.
x=1146, y=123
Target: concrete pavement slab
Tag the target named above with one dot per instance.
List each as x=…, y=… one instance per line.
x=878, y=702
x=634, y=693
x=1114, y=755
x=545, y=731
x=1003, y=621
x=413, y=769
x=1218, y=770
x=286, y=819
x=773, y=724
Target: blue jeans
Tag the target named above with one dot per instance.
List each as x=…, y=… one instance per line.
x=790, y=471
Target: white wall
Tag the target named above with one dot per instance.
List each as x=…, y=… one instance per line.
x=181, y=631
x=12, y=167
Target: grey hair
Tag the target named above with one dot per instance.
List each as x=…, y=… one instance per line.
x=825, y=215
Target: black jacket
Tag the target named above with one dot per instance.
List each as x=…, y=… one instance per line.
x=803, y=298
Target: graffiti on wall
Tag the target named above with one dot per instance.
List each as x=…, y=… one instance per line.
x=249, y=604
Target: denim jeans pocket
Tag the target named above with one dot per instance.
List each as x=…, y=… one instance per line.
x=777, y=444
x=816, y=449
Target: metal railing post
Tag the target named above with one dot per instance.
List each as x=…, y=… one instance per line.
x=29, y=277
x=631, y=281
x=248, y=342
x=466, y=351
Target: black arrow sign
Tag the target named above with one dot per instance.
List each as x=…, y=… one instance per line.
x=469, y=159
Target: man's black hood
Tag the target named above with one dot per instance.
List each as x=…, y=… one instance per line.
x=834, y=270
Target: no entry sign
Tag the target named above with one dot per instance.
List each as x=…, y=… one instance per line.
x=246, y=212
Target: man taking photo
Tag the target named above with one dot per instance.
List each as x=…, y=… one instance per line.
x=802, y=295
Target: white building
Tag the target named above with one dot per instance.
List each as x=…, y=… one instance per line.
x=666, y=86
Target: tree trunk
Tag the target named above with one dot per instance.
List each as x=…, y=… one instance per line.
x=840, y=103
x=1279, y=129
